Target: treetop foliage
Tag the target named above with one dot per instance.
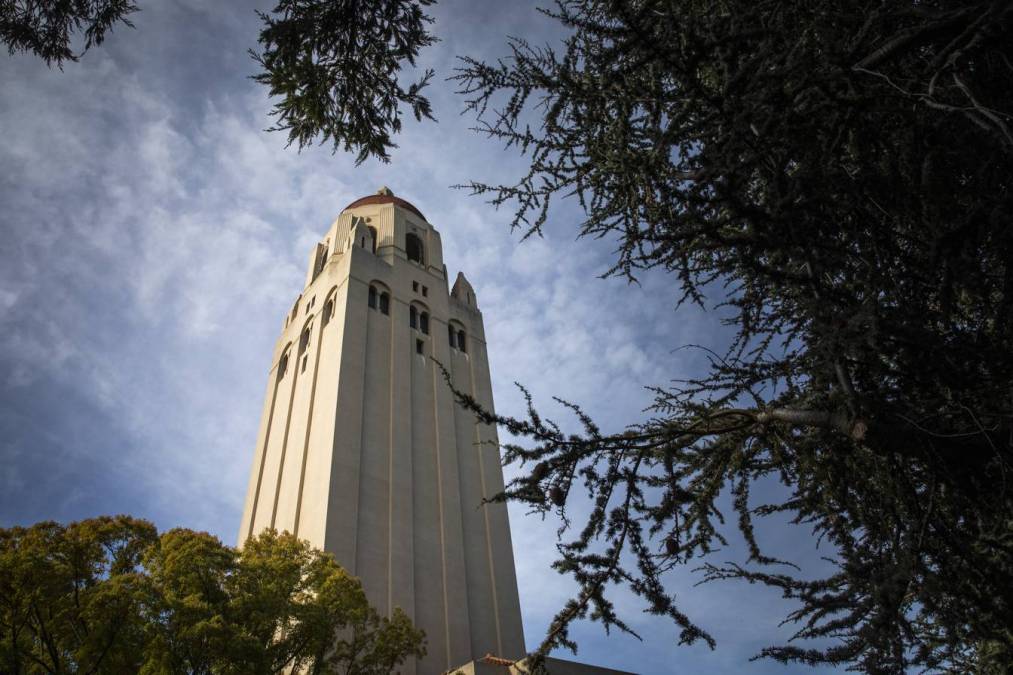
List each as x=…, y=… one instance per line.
x=335, y=65
x=47, y=27
x=839, y=174
x=109, y=595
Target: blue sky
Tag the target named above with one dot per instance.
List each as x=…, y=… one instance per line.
x=153, y=236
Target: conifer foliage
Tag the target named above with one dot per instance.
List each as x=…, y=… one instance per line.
x=335, y=63
x=46, y=28
x=838, y=176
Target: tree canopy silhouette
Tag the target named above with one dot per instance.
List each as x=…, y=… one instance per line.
x=47, y=27
x=838, y=176
x=335, y=65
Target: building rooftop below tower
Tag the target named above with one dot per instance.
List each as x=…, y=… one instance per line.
x=385, y=196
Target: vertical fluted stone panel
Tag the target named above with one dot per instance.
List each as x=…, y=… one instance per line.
x=362, y=451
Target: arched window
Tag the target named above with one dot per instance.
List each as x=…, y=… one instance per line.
x=414, y=248
x=424, y=323
x=452, y=333
x=379, y=299
x=283, y=364
x=413, y=316
x=372, y=231
x=460, y=341
x=328, y=312
x=304, y=341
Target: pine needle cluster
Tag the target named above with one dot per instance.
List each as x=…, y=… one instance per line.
x=837, y=176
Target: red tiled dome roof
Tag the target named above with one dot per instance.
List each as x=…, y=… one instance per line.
x=385, y=199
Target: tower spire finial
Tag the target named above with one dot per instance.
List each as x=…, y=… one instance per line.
x=384, y=190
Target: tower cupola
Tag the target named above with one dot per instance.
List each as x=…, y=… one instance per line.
x=385, y=196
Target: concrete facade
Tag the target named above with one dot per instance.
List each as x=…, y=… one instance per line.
x=361, y=449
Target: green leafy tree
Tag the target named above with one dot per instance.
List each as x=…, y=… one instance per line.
x=189, y=617
x=275, y=605
x=46, y=28
x=335, y=65
x=71, y=597
x=108, y=595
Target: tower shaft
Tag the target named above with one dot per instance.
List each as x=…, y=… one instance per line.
x=361, y=449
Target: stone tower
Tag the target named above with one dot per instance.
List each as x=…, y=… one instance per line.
x=361, y=448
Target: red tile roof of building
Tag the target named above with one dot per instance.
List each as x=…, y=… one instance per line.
x=385, y=199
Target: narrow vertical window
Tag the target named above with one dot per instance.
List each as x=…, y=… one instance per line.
x=414, y=248
x=460, y=341
x=305, y=358
x=283, y=365
x=424, y=323
x=321, y=261
x=419, y=344
x=328, y=312
x=385, y=303
x=372, y=297
x=450, y=332
x=372, y=233
x=304, y=339
x=413, y=317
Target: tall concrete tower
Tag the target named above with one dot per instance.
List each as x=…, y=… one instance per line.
x=361, y=448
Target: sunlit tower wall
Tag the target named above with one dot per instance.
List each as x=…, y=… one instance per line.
x=361, y=449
